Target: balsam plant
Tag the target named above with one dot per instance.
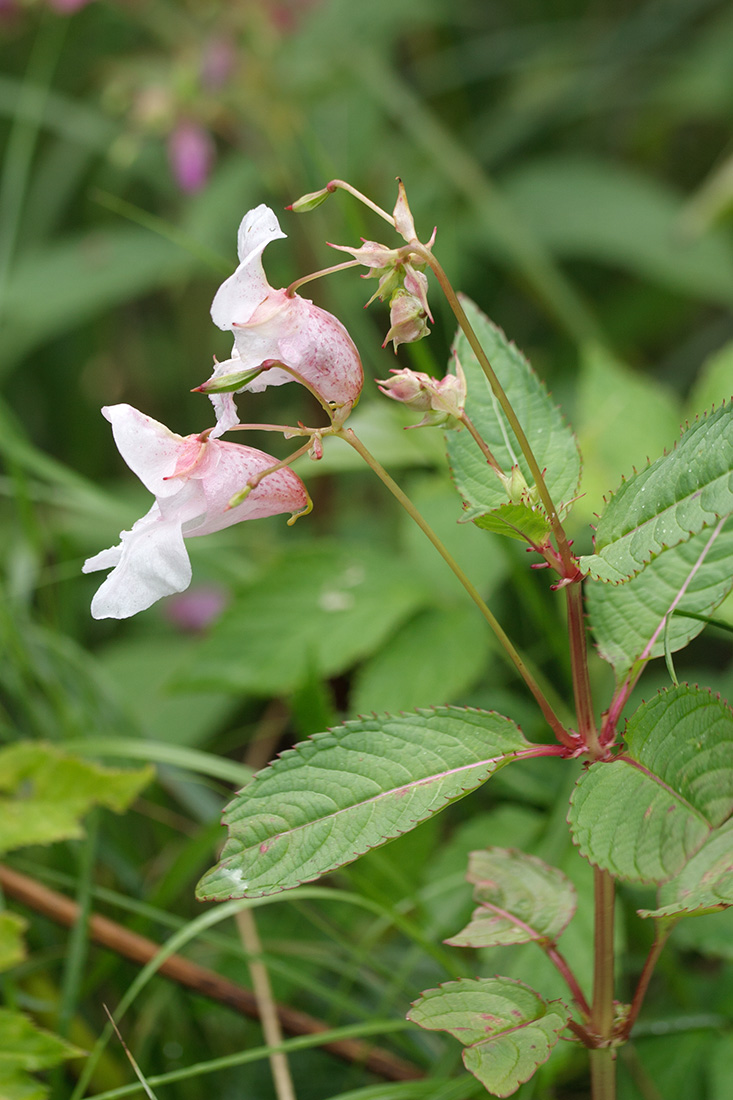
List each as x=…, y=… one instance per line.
x=653, y=802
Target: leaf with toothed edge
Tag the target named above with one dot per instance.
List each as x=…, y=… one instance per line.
x=635, y=620
x=333, y=797
x=550, y=437
x=520, y=899
x=671, y=499
x=506, y=1027
x=644, y=814
x=705, y=883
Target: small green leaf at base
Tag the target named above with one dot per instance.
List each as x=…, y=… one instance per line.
x=507, y=1028
x=705, y=884
x=643, y=815
x=333, y=797
x=520, y=899
x=517, y=521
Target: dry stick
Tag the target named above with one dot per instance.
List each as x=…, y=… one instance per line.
x=247, y=928
x=200, y=979
x=266, y=1004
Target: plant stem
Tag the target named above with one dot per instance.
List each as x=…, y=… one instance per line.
x=553, y=721
x=333, y=185
x=427, y=257
x=579, y=664
x=560, y=963
x=661, y=934
x=290, y=291
x=603, y=1059
x=482, y=444
x=603, y=1074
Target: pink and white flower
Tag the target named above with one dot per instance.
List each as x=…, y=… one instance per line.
x=193, y=480
x=278, y=337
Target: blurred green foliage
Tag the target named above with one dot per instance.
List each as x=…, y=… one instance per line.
x=577, y=161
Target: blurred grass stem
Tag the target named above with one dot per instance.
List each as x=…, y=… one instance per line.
x=23, y=138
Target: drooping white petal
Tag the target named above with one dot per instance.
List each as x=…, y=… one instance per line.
x=153, y=563
x=238, y=297
x=149, y=448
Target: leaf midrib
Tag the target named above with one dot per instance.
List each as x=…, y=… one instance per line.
x=382, y=795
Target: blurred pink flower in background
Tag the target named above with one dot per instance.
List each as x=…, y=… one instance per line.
x=218, y=58
x=197, y=609
x=191, y=155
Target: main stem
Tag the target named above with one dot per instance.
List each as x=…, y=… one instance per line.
x=552, y=719
x=603, y=1058
x=579, y=664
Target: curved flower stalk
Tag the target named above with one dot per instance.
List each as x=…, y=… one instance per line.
x=278, y=337
x=193, y=479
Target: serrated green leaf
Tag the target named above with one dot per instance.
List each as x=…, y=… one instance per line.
x=629, y=620
x=507, y=1028
x=551, y=439
x=674, y=497
x=12, y=946
x=643, y=815
x=26, y=1049
x=323, y=606
x=46, y=793
x=516, y=521
x=704, y=884
x=436, y=656
x=338, y=794
x=520, y=898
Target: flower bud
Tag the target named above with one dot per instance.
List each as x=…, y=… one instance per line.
x=403, y=222
x=309, y=201
x=517, y=488
x=408, y=319
x=442, y=400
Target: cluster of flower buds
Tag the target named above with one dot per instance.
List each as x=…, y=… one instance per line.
x=200, y=483
x=401, y=271
x=442, y=400
x=401, y=276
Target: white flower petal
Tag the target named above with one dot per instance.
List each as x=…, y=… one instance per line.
x=237, y=298
x=149, y=448
x=105, y=559
x=257, y=228
x=153, y=562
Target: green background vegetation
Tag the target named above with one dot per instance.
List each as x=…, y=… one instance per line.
x=577, y=160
